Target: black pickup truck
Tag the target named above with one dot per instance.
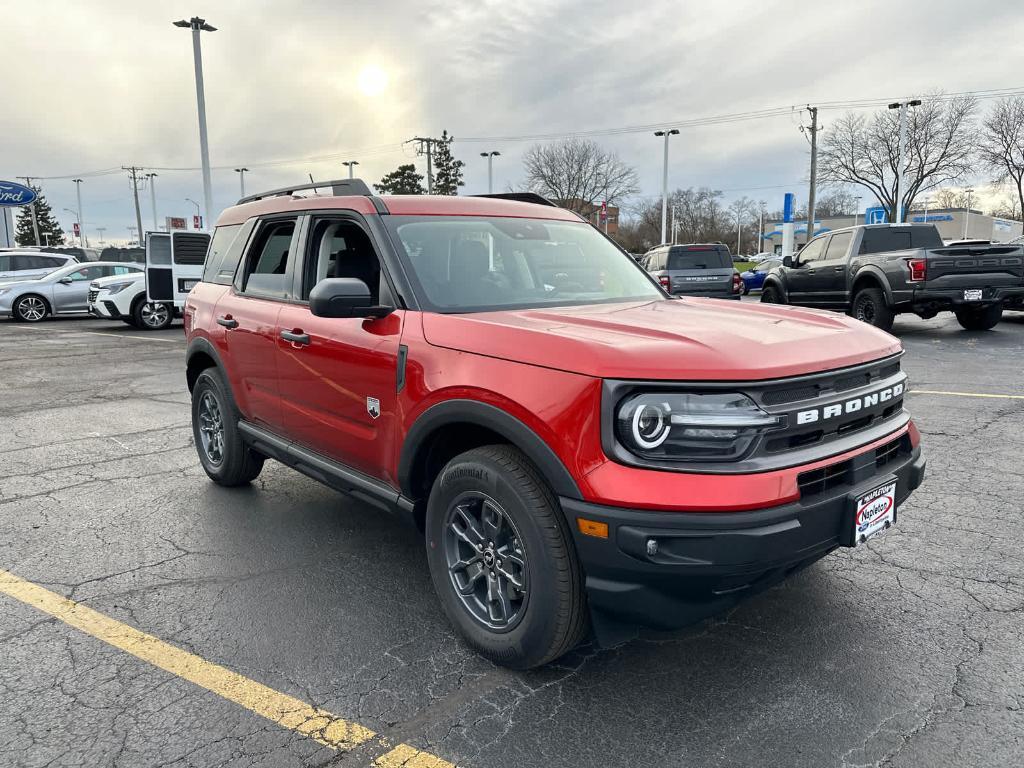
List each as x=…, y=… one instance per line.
x=877, y=271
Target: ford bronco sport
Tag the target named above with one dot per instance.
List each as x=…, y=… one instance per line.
x=579, y=449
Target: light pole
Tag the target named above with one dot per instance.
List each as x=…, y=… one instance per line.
x=198, y=25
x=101, y=230
x=81, y=229
x=152, y=196
x=131, y=235
x=83, y=240
x=856, y=211
x=351, y=164
x=927, y=203
x=490, y=169
x=664, y=181
x=241, y=178
x=190, y=200
x=897, y=215
x=46, y=237
x=967, y=215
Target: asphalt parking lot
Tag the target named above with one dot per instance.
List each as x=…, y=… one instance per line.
x=269, y=607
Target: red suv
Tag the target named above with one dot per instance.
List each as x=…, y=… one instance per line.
x=580, y=450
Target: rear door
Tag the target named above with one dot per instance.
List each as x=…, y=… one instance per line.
x=700, y=270
x=174, y=264
x=71, y=293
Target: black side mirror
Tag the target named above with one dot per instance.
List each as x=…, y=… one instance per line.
x=788, y=261
x=344, y=297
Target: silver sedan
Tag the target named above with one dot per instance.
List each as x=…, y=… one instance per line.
x=63, y=290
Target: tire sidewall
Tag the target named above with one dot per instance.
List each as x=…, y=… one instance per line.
x=883, y=316
x=211, y=381
x=534, y=634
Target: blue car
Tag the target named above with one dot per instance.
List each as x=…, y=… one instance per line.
x=753, y=279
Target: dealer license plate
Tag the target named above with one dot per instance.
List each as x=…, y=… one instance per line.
x=875, y=512
x=973, y=294
x=188, y=285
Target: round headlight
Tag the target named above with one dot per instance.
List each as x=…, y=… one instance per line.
x=651, y=424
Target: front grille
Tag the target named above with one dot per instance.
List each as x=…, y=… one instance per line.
x=891, y=451
x=93, y=293
x=820, y=480
x=777, y=396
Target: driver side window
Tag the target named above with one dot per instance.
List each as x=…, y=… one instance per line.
x=813, y=251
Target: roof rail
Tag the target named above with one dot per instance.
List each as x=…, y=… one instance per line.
x=339, y=188
x=522, y=197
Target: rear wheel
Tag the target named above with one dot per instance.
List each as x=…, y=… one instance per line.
x=30, y=309
x=502, y=559
x=869, y=307
x=225, y=458
x=979, y=318
x=151, y=316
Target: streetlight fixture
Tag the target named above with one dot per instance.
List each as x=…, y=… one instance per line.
x=198, y=25
x=664, y=181
x=241, y=178
x=902, y=107
x=46, y=237
x=152, y=196
x=967, y=215
x=190, y=200
x=351, y=164
x=490, y=168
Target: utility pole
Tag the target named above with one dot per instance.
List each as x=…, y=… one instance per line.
x=32, y=210
x=133, y=173
x=426, y=147
x=760, y=228
x=152, y=196
x=241, y=178
x=82, y=239
x=897, y=216
x=664, y=181
x=351, y=164
x=198, y=25
x=811, y=192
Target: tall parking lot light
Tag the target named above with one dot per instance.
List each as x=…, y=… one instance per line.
x=664, y=182
x=241, y=178
x=152, y=197
x=967, y=215
x=198, y=25
x=83, y=240
x=897, y=215
x=490, y=169
x=351, y=164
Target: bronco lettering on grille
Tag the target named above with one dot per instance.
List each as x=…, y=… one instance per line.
x=849, y=406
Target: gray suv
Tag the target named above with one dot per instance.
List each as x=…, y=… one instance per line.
x=696, y=269
x=30, y=265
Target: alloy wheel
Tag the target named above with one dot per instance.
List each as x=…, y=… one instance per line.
x=154, y=315
x=211, y=428
x=32, y=309
x=866, y=311
x=486, y=561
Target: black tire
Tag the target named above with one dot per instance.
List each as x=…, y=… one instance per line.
x=151, y=316
x=979, y=318
x=545, y=616
x=746, y=289
x=869, y=306
x=771, y=295
x=30, y=308
x=225, y=458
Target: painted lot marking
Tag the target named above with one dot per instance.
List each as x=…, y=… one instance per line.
x=964, y=394
x=287, y=711
x=109, y=335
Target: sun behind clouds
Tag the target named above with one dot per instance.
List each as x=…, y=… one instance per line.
x=372, y=80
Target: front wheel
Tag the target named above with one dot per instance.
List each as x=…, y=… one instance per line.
x=225, y=458
x=771, y=295
x=502, y=559
x=30, y=309
x=869, y=306
x=979, y=318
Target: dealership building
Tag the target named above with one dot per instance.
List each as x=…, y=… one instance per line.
x=952, y=223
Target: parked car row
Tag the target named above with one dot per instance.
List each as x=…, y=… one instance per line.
x=63, y=290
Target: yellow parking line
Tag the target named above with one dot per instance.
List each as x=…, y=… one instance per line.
x=287, y=711
x=964, y=394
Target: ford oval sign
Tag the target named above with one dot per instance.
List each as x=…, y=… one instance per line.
x=16, y=194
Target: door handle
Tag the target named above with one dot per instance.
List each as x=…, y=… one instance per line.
x=839, y=269
x=811, y=271
x=227, y=321
x=296, y=336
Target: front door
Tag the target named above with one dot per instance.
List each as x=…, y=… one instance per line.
x=338, y=376
x=803, y=279
x=71, y=292
x=832, y=270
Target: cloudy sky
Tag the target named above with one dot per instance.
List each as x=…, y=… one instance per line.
x=296, y=87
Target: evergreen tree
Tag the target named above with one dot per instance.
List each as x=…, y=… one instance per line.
x=448, y=177
x=402, y=181
x=24, y=233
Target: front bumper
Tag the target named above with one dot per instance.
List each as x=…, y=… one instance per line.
x=705, y=562
x=105, y=309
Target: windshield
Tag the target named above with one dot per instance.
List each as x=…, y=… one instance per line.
x=466, y=264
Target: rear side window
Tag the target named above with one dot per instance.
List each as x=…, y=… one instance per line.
x=838, y=246
x=5, y=263
x=51, y=261
x=190, y=248
x=266, y=268
x=699, y=258
x=225, y=253
x=21, y=263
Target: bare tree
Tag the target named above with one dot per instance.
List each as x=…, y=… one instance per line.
x=579, y=174
x=1001, y=148
x=950, y=197
x=865, y=151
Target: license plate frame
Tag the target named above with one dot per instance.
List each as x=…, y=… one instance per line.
x=857, y=503
x=189, y=284
x=974, y=294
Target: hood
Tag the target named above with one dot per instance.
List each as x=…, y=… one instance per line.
x=103, y=282
x=681, y=339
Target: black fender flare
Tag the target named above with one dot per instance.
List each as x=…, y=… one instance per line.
x=492, y=418
x=871, y=273
x=773, y=281
x=200, y=345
